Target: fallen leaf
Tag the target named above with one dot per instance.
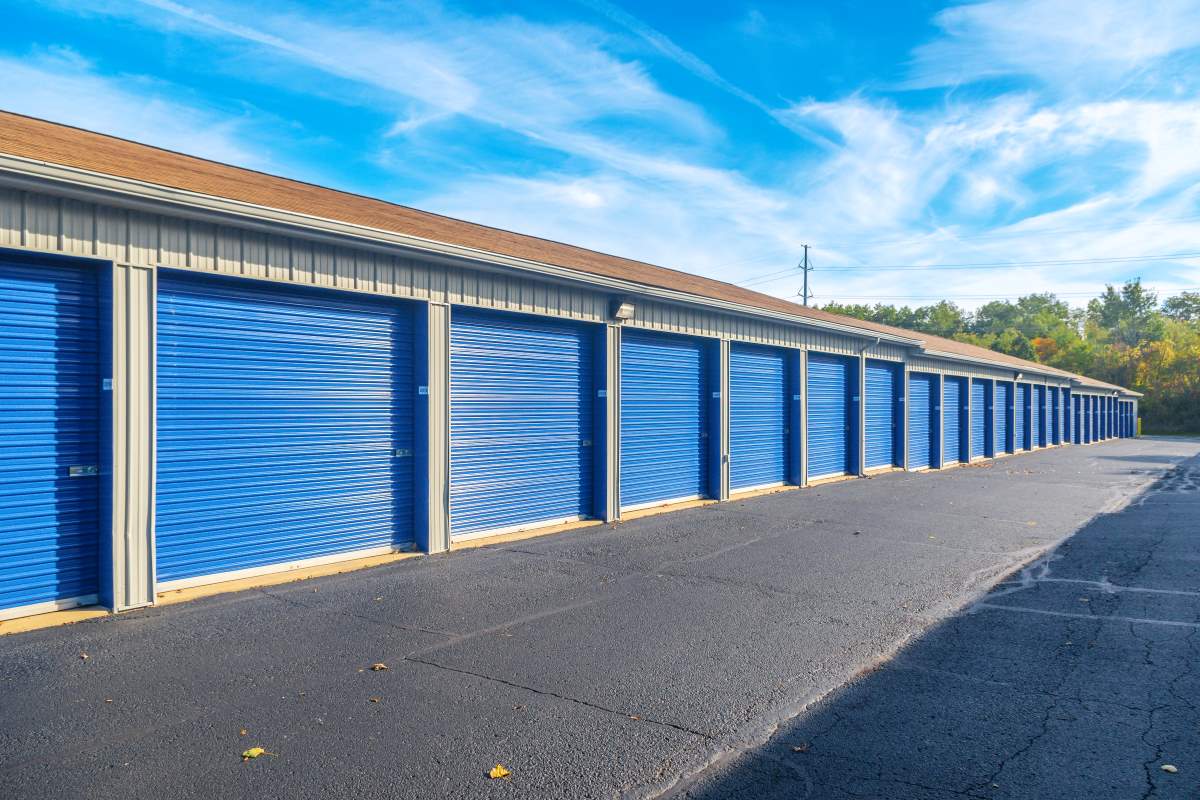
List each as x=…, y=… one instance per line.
x=379, y=667
x=377, y=599
x=634, y=717
x=1171, y=768
x=108, y=699
x=374, y=699
x=84, y=656
x=800, y=748
x=499, y=771
x=255, y=752
x=242, y=732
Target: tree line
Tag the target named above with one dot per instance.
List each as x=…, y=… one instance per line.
x=1125, y=336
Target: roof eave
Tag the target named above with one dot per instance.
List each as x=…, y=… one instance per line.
x=88, y=184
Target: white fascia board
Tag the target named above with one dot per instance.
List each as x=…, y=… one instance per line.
x=93, y=186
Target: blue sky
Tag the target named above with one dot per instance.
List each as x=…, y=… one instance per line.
x=1005, y=147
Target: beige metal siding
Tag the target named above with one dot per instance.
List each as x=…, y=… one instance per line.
x=133, y=410
x=60, y=225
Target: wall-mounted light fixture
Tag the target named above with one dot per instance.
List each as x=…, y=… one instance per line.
x=622, y=310
x=1018, y=375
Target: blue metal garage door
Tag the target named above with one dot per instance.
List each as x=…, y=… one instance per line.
x=758, y=416
x=831, y=407
x=664, y=418
x=883, y=392
x=521, y=421
x=980, y=414
x=922, y=420
x=1037, y=416
x=1094, y=410
x=1021, y=430
x=1003, y=406
x=1055, y=415
x=285, y=425
x=953, y=399
x=50, y=450
x=1076, y=420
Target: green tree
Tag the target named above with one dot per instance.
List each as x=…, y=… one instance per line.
x=1129, y=315
x=1183, y=307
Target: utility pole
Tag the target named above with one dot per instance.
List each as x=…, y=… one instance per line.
x=805, y=266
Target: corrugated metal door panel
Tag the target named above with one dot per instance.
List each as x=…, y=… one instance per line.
x=49, y=413
x=758, y=416
x=922, y=392
x=1020, y=417
x=664, y=417
x=1001, y=404
x=1055, y=416
x=829, y=415
x=952, y=402
x=285, y=424
x=521, y=409
x=979, y=418
x=883, y=381
x=1076, y=420
x=1036, y=417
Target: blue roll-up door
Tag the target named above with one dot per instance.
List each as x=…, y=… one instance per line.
x=830, y=428
x=883, y=391
x=922, y=419
x=1076, y=420
x=1002, y=405
x=664, y=418
x=1036, y=416
x=952, y=432
x=1094, y=410
x=980, y=414
x=758, y=416
x=50, y=391
x=1021, y=418
x=1055, y=416
x=285, y=425
x=521, y=421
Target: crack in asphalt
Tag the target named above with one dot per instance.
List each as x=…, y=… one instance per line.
x=567, y=698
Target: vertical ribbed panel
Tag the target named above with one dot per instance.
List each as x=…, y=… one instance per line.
x=1021, y=418
x=1055, y=415
x=1094, y=417
x=1003, y=406
x=883, y=388
x=922, y=404
x=1037, y=417
x=1076, y=419
x=521, y=413
x=953, y=400
x=664, y=417
x=979, y=418
x=49, y=416
x=285, y=424
x=830, y=415
x=758, y=416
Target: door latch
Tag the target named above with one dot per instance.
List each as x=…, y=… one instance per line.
x=83, y=471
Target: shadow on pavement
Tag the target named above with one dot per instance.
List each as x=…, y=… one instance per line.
x=1073, y=679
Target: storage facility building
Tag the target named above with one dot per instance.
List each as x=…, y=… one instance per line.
x=209, y=373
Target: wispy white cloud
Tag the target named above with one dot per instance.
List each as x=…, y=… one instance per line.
x=1064, y=44
x=61, y=85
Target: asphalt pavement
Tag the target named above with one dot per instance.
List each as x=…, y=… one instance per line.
x=1017, y=629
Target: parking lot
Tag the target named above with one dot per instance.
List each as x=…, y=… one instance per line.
x=695, y=653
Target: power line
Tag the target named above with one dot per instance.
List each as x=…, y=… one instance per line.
x=772, y=276
x=1003, y=234
x=944, y=296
